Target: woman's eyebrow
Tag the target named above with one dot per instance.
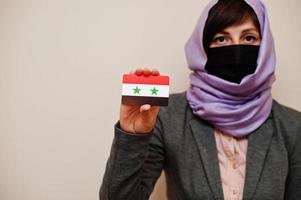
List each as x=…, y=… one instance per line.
x=223, y=33
x=250, y=30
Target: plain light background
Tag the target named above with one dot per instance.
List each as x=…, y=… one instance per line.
x=61, y=63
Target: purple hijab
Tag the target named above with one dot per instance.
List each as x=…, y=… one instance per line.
x=235, y=109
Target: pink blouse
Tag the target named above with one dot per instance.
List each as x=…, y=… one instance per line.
x=232, y=164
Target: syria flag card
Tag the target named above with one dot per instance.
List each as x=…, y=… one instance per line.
x=139, y=90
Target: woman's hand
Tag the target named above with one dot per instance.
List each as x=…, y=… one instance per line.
x=139, y=119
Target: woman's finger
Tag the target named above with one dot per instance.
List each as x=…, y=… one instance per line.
x=155, y=72
x=139, y=71
x=146, y=71
x=145, y=107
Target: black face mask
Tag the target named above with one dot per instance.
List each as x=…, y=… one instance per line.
x=232, y=63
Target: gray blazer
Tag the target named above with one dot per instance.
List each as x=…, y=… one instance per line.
x=183, y=145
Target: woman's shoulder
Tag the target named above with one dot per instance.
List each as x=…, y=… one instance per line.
x=288, y=123
x=177, y=99
x=177, y=102
x=286, y=114
x=177, y=108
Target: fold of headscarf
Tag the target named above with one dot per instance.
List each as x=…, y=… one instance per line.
x=235, y=109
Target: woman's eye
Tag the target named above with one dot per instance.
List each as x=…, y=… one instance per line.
x=250, y=38
x=220, y=39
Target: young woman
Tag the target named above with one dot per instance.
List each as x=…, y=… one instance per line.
x=225, y=137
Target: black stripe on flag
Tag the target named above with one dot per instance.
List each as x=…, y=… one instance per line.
x=136, y=100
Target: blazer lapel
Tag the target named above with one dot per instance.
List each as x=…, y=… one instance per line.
x=204, y=136
x=258, y=145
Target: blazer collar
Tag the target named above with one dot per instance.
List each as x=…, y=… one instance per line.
x=204, y=136
x=258, y=145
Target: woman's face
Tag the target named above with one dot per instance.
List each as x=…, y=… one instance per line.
x=245, y=33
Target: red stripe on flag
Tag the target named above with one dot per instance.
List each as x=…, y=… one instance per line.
x=152, y=80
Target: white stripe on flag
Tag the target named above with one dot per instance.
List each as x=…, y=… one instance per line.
x=145, y=90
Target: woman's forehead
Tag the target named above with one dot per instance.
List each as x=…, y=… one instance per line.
x=246, y=25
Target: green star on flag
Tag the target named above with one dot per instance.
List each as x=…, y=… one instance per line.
x=136, y=90
x=154, y=91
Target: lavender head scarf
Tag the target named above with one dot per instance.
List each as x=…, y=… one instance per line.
x=235, y=109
